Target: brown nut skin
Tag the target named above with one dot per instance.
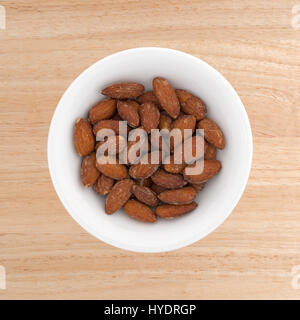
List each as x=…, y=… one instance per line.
x=129, y=111
x=118, y=196
x=149, y=115
x=145, y=195
x=185, y=122
x=178, y=196
x=143, y=170
x=148, y=96
x=210, y=152
x=166, y=96
x=124, y=90
x=103, y=110
x=169, y=211
x=104, y=185
x=115, y=171
x=89, y=173
x=106, y=124
x=84, y=139
x=173, y=167
x=168, y=180
x=210, y=169
x=212, y=133
x=191, y=104
x=139, y=211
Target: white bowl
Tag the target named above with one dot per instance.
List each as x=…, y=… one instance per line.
x=220, y=195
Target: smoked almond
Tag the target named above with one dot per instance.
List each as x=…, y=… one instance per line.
x=103, y=185
x=118, y=196
x=169, y=211
x=103, y=110
x=115, y=171
x=168, y=180
x=166, y=96
x=129, y=111
x=139, y=211
x=149, y=115
x=178, y=196
x=124, y=90
x=106, y=124
x=145, y=195
x=89, y=173
x=210, y=169
x=148, y=96
x=84, y=139
x=191, y=104
x=212, y=133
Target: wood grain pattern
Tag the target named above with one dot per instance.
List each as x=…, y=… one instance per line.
x=46, y=45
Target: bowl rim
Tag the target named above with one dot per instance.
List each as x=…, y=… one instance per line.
x=178, y=244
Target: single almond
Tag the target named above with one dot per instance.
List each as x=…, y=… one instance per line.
x=89, y=173
x=145, y=195
x=139, y=211
x=124, y=90
x=210, y=152
x=149, y=115
x=168, y=180
x=103, y=110
x=103, y=185
x=212, y=133
x=166, y=96
x=178, y=196
x=118, y=196
x=210, y=169
x=115, y=171
x=129, y=111
x=84, y=139
x=191, y=104
x=169, y=211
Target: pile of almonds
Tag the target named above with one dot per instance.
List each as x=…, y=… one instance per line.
x=147, y=190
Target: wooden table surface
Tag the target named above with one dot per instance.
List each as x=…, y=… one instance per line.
x=46, y=44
